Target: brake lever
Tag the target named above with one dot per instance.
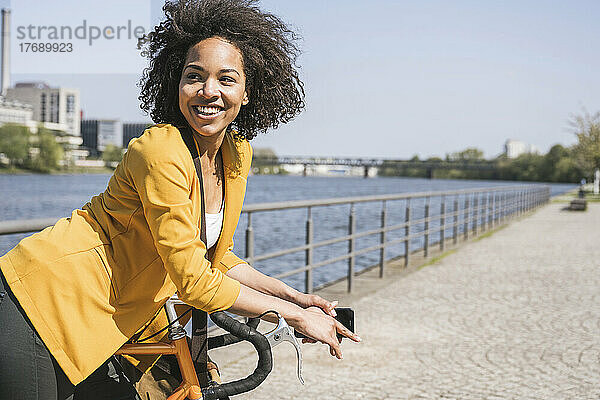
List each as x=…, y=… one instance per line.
x=283, y=333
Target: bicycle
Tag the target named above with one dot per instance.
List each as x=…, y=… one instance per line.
x=177, y=345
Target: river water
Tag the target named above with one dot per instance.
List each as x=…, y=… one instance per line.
x=25, y=196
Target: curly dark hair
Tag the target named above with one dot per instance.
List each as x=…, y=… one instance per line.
x=268, y=51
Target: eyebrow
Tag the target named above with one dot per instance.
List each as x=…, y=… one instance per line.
x=224, y=70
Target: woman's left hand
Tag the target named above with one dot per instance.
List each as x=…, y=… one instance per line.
x=312, y=300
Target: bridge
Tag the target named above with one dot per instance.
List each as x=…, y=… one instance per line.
x=367, y=163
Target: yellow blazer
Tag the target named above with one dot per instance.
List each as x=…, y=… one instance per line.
x=91, y=281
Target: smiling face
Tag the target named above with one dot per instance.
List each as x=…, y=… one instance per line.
x=212, y=87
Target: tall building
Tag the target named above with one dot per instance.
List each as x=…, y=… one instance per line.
x=99, y=133
x=56, y=108
x=5, y=69
x=132, y=130
x=514, y=148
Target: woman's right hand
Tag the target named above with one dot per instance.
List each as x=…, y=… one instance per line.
x=311, y=321
x=324, y=328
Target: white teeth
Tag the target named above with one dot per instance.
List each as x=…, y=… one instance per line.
x=206, y=110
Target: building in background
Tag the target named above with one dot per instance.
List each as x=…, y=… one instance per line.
x=56, y=108
x=16, y=112
x=12, y=111
x=97, y=134
x=36, y=104
x=132, y=130
x=514, y=148
x=110, y=132
x=89, y=134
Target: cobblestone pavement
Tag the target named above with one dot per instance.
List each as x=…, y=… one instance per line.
x=512, y=316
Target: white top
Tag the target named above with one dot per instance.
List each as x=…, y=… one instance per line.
x=214, y=223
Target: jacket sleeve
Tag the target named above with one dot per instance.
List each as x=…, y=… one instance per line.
x=161, y=175
x=230, y=260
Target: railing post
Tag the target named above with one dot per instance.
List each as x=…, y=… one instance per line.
x=491, y=198
x=426, y=231
x=466, y=216
x=542, y=197
x=407, y=234
x=455, y=222
x=521, y=202
x=442, y=223
x=499, y=208
x=506, y=208
x=484, y=212
x=475, y=213
x=382, y=240
x=531, y=196
x=351, y=226
x=249, y=240
x=308, y=276
x=491, y=221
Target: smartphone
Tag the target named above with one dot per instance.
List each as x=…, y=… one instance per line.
x=345, y=315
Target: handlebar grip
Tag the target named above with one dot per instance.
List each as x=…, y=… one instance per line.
x=227, y=338
x=265, y=358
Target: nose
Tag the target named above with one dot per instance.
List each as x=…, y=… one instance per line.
x=209, y=89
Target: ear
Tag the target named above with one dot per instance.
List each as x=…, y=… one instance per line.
x=245, y=100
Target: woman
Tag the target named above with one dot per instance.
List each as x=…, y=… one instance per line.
x=75, y=292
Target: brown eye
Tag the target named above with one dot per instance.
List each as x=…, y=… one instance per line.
x=228, y=79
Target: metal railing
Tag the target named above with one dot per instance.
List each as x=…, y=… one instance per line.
x=445, y=217
x=482, y=210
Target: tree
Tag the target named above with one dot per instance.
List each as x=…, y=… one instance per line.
x=469, y=154
x=50, y=152
x=566, y=170
x=264, y=152
x=586, y=127
x=112, y=154
x=14, y=143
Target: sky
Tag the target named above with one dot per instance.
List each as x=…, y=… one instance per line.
x=395, y=79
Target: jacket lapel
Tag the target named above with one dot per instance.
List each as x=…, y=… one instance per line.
x=235, y=188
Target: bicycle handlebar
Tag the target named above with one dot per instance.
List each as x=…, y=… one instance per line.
x=227, y=338
x=260, y=343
